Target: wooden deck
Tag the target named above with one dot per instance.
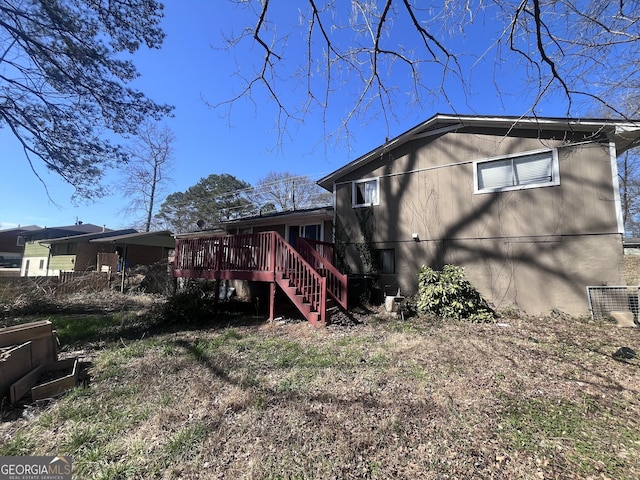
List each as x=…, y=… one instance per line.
x=307, y=274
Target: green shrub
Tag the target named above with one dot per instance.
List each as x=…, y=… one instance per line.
x=449, y=294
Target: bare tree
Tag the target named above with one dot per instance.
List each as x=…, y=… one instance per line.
x=578, y=52
x=286, y=191
x=145, y=175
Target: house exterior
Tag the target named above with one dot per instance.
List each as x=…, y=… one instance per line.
x=37, y=253
x=50, y=251
x=529, y=206
x=282, y=249
x=12, y=246
x=311, y=223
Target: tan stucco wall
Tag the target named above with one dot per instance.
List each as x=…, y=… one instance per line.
x=535, y=276
x=537, y=248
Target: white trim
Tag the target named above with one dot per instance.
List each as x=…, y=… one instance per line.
x=287, y=229
x=613, y=159
x=335, y=216
x=555, y=171
x=353, y=192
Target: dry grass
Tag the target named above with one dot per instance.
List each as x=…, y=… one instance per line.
x=529, y=398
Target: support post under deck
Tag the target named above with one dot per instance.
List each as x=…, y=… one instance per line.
x=272, y=301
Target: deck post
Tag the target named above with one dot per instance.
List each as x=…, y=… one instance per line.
x=272, y=301
x=216, y=298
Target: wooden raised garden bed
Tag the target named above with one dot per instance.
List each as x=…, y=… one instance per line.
x=29, y=362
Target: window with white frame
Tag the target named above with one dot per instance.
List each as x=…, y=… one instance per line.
x=366, y=192
x=528, y=170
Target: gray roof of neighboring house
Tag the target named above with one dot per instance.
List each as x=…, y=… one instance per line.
x=18, y=230
x=625, y=134
x=631, y=242
x=66, y=231
x=162, y=238
x=87, y=237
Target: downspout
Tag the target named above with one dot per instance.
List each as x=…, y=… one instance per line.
x=46, y=269
x=335, y=212
x=123, y=266
x=613, y=158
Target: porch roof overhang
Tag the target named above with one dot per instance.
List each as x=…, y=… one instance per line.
x=308, y=215
x=278, y=218
x=624, y=133
x=162, y=238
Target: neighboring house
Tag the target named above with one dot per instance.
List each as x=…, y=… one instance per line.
x=63, y=249
x=529, y=206
x=137, y=248
x=12, y=245
x=631, y=246
x=37, y=253
x=632, y=260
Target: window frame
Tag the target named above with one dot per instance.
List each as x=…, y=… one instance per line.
x=354, y=189
x=555, y=171
x=379, y=252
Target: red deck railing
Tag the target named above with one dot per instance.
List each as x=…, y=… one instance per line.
x=264, y=257
x=320, y=255
x=245, y=257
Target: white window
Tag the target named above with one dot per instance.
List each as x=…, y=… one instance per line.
x=529, y=170
x=365, y=193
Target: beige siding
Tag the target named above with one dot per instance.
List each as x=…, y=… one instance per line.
x=537, y=248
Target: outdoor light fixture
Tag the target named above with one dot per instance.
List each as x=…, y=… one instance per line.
x=415, y=237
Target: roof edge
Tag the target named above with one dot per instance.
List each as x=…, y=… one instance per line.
x=626, y=133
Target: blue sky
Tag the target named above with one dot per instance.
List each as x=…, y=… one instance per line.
x=193, y=67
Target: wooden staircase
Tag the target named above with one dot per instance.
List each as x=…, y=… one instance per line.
x=308, y=277
x=320, y=255
x=304, y=286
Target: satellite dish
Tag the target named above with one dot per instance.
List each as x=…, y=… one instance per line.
x=200, y=223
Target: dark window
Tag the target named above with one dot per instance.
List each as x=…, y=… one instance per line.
x=386, y=259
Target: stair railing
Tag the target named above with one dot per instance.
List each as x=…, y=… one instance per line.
x=301, y=275
x=320, y=256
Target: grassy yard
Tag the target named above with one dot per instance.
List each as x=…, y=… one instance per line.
x=239, y=398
